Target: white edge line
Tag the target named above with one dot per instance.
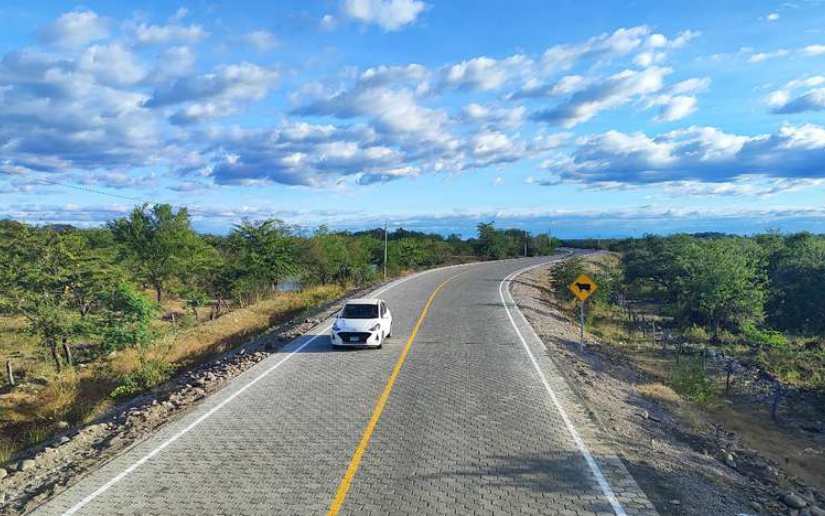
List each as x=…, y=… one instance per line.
x=591, y=462
x=123, y=474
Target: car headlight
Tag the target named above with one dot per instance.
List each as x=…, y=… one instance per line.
x=335, y=326
x=376, y=327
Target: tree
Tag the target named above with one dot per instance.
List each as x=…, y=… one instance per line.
x=266, y=253
x=491, y=243
x=126, y=319
x=797, y=273
x=160, y=242
x=720, y=283
x=36, y=272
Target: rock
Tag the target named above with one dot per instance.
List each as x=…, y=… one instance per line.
x=26, y=465
x=793, y=500
x=817, y=511
x=64, y=440
x=675, y=502
x=3, y=473
x=756, y=506
x=62, y=425
x=729, y=461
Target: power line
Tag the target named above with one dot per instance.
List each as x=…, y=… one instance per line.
x=78, y=187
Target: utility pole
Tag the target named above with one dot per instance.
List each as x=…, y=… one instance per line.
x=385, y=249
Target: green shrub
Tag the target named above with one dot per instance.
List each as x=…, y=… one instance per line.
x=150, y=374
x=688, y=378
x=758, y=337
x=696, y=333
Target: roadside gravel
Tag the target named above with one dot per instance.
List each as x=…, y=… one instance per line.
x=681, y=470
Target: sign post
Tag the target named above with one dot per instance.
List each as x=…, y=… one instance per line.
x=583, y=287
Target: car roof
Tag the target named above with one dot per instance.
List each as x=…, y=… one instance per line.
x=364, y=301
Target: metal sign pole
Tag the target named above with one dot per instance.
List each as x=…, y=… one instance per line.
x=581, y=334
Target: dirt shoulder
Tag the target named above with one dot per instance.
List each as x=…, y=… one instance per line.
x=684, y=460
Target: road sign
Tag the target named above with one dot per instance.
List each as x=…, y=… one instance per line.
x=583, y=287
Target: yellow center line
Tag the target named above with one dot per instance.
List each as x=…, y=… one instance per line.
x=355, y=462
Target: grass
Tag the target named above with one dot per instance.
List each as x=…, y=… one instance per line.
x=29, y=413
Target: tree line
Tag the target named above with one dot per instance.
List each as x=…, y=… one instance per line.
x=70, y=283
x=757, y=286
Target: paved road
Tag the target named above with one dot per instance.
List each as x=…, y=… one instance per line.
x=477, y=421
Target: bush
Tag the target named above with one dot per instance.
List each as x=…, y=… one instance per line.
x=688, y=378
x=696, y=333
x=757, y=337
x=151, y=373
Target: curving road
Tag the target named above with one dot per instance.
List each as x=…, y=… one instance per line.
x=462, y=412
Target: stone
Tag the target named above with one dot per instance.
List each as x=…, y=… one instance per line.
x=793, y=500
x=756, y=506
x=729, y=461
x=62, y=425
x=3, y=473
x=26, y=465
x=64, y=440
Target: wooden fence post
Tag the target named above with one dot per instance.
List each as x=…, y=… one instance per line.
x=9, y=372
x=777, y=397
x=67, y=350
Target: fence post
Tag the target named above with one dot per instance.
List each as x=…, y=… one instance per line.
x=68, y=351
x=10, y=372
x=729, y=371
x=777, y=397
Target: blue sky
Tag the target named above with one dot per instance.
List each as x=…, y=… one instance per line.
x=582, y=118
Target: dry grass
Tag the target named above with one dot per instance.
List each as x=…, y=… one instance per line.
x=659, y=392
x=30, y=412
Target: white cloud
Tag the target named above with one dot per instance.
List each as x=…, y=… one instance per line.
x=390, y=15
x=787, y=101
x=677, y=108
x=764, y=56
x=75, y=29
x=505, y=117
x=703, y=154
x=772, y=17
x=484, y=73
x=174, y=62
x=262, y=40
x=159, y=34
x=814, y=50
x=112, y=63
x=613, y=91
x=214, y=94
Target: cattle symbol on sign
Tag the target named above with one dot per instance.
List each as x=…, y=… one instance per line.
x=583, y=287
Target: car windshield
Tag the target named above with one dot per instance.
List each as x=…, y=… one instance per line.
x=360, y=311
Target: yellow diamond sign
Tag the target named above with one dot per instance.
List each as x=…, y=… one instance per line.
x=583, y=287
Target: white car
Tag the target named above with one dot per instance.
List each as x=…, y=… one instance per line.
x=362, y=323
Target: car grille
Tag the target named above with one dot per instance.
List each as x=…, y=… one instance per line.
x=346, y=336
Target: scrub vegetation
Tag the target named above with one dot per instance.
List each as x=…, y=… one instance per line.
x=760, y=297
x=92, y=316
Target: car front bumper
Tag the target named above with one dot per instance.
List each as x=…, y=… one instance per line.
x=365, y=339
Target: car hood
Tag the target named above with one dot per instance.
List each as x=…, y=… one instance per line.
x=356, y=324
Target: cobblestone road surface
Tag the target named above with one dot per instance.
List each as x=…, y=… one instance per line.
x=469, y=427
